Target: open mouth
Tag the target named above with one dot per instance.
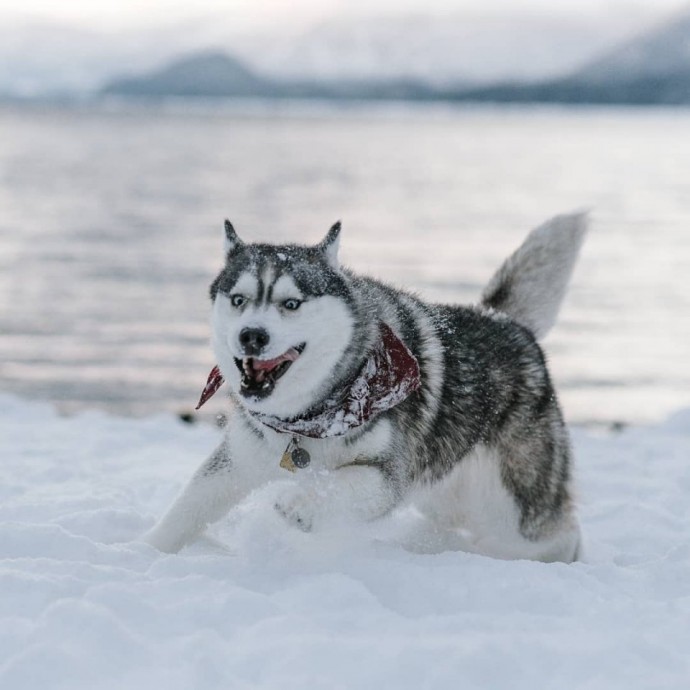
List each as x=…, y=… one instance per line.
x=259, y=376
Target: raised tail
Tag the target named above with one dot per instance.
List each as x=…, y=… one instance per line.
x=530, y=286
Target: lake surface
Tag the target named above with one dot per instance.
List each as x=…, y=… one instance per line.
x=111, y=226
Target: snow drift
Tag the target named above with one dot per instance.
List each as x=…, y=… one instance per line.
x=258, y=604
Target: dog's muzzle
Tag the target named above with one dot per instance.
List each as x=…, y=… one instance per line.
x=259, y=376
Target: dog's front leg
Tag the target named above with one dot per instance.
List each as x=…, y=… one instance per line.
x=362, y=490
x=213, y=490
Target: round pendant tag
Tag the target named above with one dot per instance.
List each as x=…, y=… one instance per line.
x=300, y=457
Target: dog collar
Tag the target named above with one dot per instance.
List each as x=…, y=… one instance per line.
x=389, y=375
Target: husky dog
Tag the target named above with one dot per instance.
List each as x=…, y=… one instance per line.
x=370, y=396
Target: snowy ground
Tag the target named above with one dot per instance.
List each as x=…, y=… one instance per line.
x=82, y=606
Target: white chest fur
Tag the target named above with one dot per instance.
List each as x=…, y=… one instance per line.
x=261, y=454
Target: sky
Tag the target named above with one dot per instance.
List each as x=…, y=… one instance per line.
x=77, y=45
x=258, y=13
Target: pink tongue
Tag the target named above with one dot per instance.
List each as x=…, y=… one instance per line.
x=267, y=364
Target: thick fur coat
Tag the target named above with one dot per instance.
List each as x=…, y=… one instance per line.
x=481, y=447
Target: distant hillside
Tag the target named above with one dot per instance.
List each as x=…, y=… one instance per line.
x=653, y=68
x=671, y=89
x=202, y=74
x=455, y=47
x=657, y=54
x=216, y=74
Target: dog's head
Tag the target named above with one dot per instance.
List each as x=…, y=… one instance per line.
x=282, y=321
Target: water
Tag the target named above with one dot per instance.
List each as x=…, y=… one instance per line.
x=111, y=222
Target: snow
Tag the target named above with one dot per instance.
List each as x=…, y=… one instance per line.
x=258, y=604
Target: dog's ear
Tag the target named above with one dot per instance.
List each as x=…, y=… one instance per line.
x=231, y=240
x=329, y=244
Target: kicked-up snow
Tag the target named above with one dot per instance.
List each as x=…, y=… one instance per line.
x=258, y=604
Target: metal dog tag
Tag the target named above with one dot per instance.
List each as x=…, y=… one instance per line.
x=300, y=458
x=294, y=457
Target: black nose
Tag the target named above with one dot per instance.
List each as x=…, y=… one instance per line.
x=253, y=340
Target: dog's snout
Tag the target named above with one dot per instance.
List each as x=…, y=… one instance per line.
x=253, y=340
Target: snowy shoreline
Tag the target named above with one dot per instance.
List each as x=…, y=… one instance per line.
x=86, y=606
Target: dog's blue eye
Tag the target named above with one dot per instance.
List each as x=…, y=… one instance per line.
x=237, y=300
x=291, y=304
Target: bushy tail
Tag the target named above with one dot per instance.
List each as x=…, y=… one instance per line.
x=530, y=285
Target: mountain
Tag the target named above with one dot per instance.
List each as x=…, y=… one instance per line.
x=651, y=69
x=444, y=49
x=202, y=74
x=437, y=47
x=664, y=51
x=393, y=56
x=39, y=59
x=215, y=74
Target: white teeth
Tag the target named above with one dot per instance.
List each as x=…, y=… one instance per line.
x=253, y=376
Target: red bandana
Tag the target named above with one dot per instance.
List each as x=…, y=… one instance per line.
x=213, y=383
x=389, y=375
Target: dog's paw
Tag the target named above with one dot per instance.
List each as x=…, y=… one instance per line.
x=299, y=508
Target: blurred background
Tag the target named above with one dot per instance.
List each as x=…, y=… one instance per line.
x=439, y=132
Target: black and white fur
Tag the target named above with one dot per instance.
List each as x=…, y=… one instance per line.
x=481, y=447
